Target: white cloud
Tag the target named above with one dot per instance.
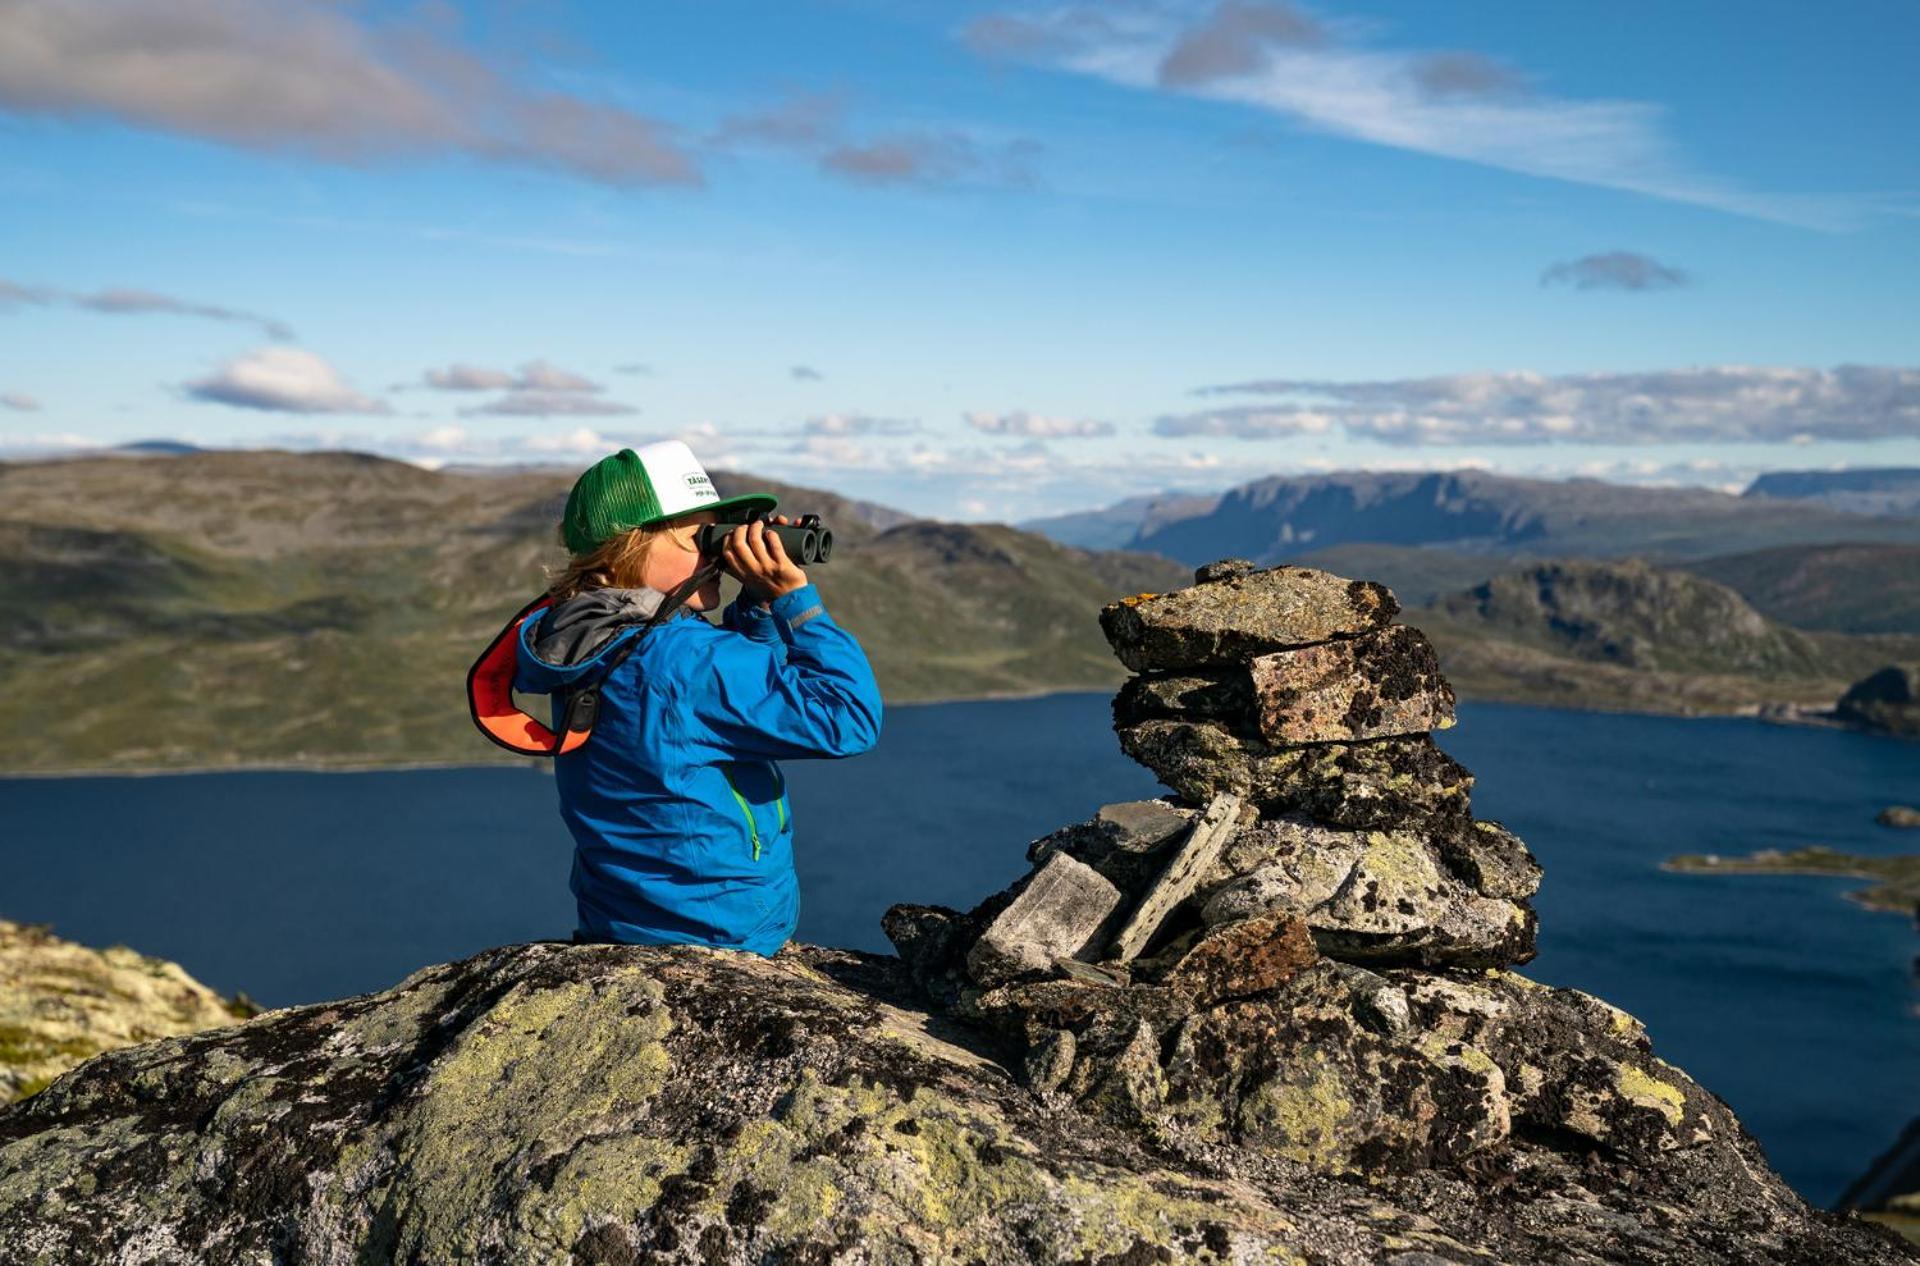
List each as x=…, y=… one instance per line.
x=535, y=375
x=459, y=377
x=1710, y=404
x=859, y=424
x=579, y=442
x=47, y=444
x=1020, y=422
x=283, y=380
x=540, y=375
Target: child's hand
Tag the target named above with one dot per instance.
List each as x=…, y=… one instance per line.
x=758, y=560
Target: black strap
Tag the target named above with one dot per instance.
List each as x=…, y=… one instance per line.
x=583, y=702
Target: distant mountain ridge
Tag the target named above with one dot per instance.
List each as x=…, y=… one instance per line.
x=1283, y=516
x=1881, y=490
x=1121, y=522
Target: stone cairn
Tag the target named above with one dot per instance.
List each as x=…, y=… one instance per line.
x=1304, y=950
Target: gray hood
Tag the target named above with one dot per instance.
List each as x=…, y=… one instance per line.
x=573, y=630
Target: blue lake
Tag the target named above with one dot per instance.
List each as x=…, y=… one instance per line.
x=1792, y=1004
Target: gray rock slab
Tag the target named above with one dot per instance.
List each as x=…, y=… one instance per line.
x=1057, y=915
x=1222, y=622
x=1187, y=867
x=1124, y=841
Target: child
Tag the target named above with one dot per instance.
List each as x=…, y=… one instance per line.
x=677, y=806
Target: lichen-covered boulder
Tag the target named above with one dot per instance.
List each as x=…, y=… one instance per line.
x=596, y=1104
x=603, y=1104
x=1225, y=620
x=61, y=1002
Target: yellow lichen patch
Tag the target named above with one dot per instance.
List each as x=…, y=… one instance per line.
x=1621, y=1024
x=940, y=1179
x=1310, y=1110
x=400, y=1015
x=1650, y=1092
x=614, y=1179
x=544, y=1069
x=1137, y=599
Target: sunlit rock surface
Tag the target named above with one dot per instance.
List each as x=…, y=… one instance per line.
x=61, y=1002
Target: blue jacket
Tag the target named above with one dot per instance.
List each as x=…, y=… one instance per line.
x=677, y=806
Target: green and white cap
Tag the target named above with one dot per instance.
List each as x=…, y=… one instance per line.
x=637, y=487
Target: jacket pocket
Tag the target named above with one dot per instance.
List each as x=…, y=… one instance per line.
x=759, y=789
x=746, y=811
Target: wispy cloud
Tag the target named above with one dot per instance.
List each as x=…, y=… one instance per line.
x=535, y=375
x=859, y=424
x=804, y=373
x=549, y=404
x=19, y=402
x=1327, y=76
x=1614, y=270
x=127, y=301
x=1038, y=426
x=814, y=123
x=320, y=79
x=282, y=380
x=1711, y=404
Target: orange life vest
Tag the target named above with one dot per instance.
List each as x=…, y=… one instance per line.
x=490, y=680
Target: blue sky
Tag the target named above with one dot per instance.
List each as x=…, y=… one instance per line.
x=982, y=261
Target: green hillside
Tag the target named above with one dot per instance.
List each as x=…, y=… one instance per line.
x=1850, y=587
x=1631, y=636
x=233, y=608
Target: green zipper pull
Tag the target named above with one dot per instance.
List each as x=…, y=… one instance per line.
x=746, y=811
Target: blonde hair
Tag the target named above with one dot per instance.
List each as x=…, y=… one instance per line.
x=619, y=562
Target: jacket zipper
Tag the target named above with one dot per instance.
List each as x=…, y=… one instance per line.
x=746, y=811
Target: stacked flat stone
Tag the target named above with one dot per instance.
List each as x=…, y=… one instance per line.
x=1302, y=949
x=1293, y=689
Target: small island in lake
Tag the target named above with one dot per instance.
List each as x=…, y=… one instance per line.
x=1896, y=878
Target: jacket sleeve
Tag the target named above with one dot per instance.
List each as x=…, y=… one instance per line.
x=820, y=699
x=758, y=624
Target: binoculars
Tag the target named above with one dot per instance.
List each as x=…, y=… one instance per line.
x=807, y=542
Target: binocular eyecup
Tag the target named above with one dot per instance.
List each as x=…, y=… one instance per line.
x=807, y=542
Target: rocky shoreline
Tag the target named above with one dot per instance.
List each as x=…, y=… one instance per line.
x=1271, y=1016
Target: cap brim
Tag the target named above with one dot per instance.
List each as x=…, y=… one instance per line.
x=733, y=509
